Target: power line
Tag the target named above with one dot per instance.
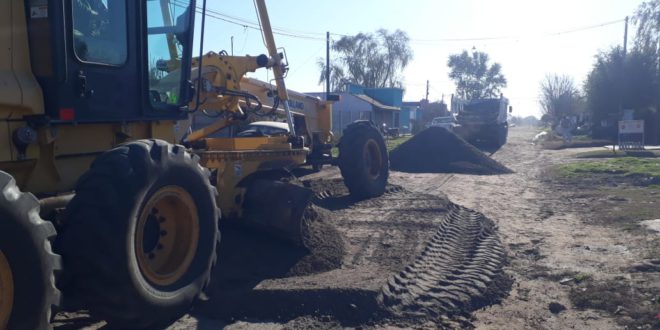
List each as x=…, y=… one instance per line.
x=249, y=24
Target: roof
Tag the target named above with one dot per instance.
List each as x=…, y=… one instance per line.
x=375, y=103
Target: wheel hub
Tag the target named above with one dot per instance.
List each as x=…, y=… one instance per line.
x=167, y=235
x=6, y=291
x=372, y=159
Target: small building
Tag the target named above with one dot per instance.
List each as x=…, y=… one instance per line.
x=380, y=105
x=409, y=113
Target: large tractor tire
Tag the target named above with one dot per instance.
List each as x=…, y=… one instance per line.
x=141, y=235
x=27, y=263
x=363, y=160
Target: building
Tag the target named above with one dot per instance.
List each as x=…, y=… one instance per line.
x=408, y=117
x=380, y=105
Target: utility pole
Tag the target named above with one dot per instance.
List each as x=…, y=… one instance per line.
x=427, y=91
x=623, y=66
x=232, y=45
x=327, y=65
x=622, y=85
x=625, y=39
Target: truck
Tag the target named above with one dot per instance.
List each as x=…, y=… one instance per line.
x=482, y=122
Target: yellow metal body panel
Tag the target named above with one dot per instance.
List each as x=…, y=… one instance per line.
x=248, y=143
x=20, y=94
x=238, y=158
x=63, y=153
x=318, y=113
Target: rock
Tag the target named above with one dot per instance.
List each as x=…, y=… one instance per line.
x=618, y=310
x=556, y=308
x=566, y=280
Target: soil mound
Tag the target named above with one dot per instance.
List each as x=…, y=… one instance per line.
x=324, y=242
x=436, y=150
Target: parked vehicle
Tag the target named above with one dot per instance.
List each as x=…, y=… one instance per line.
x=482, y=121
x=446, y=122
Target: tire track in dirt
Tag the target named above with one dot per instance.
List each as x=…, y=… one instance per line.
x=454, y=274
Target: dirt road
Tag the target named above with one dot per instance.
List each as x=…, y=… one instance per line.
x=415, y=258
x=547, y=235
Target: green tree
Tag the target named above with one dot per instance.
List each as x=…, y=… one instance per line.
x=647, y=20
x=473, y=77
x=371, y=60
x=608, y=89
x=559, y=97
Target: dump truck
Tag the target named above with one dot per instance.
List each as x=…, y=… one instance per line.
x=482, y=121
x=99, y=203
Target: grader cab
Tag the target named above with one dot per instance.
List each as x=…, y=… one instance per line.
x=98, y=204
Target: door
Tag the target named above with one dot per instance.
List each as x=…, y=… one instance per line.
x=103, y=62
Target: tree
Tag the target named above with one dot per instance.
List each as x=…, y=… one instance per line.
x=647, y=20
x=473, y=77
x=559, y=97
x=370, y=60
x=647, y=39
x=608, y=89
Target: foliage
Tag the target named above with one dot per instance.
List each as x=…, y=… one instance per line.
x=619, y=154
x=395, y=142
x=370, y=60
x=647, y=20
x=473, y=77
x=428, y=111
x=559, y=97
x=524, y=121
x=617, y=166
x=608, y=89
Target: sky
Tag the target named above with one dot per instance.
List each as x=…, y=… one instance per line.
x=529, y=38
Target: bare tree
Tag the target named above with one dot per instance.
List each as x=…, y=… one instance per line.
x=559, y=97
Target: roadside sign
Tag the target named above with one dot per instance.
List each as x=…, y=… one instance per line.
x=631, y=134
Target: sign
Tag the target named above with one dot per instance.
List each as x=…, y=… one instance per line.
x=631, y=134
x=631, y=126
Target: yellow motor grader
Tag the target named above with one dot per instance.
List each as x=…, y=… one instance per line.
x=98, y=202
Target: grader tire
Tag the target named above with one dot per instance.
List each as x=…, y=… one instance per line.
x=363, y=160
x=27, y=263
x=142, y=235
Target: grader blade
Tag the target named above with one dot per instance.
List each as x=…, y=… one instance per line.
x=277, y=208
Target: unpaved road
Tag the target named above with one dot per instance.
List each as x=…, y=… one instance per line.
x=412, y=258
x=547, y=235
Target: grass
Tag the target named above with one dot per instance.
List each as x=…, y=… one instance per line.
x=393, y=143
x=389, y=143
x=619, y=154
x=616, y=166
x=582, y=277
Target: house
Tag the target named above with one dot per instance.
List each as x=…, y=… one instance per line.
x=380, y=105
x=408, y=117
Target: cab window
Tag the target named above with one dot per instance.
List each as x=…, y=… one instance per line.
x=167, y=33
x=99, y=31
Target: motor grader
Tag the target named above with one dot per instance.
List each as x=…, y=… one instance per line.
x=98, y=202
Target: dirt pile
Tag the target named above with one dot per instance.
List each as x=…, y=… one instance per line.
x=325, y=244
x=436, y=150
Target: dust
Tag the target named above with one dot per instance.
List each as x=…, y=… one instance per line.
x=436, y=150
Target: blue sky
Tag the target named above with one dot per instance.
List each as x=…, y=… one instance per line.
x=528, y=45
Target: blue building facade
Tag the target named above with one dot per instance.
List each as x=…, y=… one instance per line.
x=380, y=105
